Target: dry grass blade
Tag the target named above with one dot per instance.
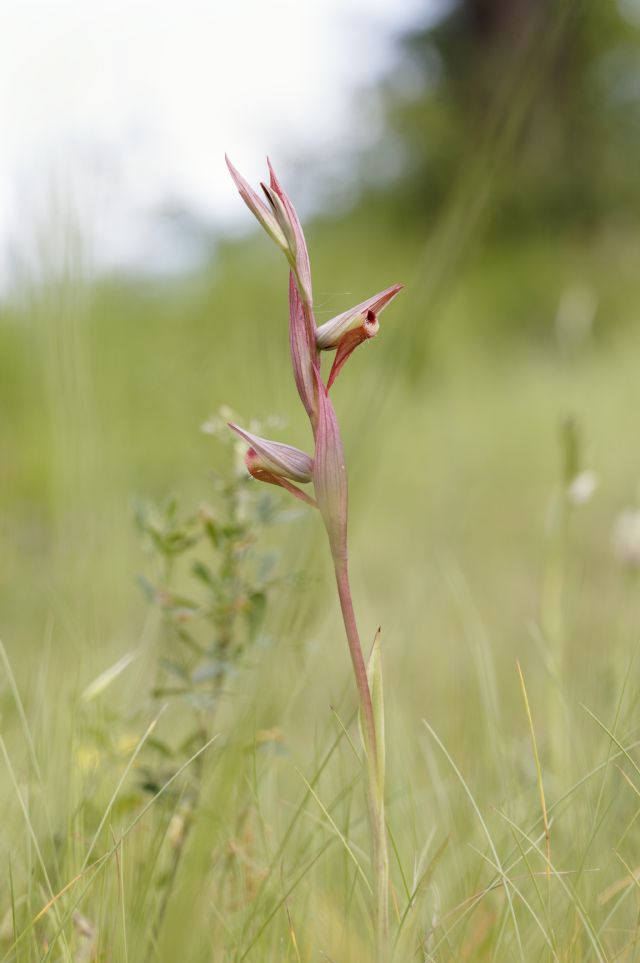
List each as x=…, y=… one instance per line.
x=573, y=898
x=30, y=828
x=536, y=757
x=485, y=829
x=525, y=902
x=28, y=736
x=625, y=752
x=120, y=783
x=423, y=881
x=282, y=902
x=339, y=834
x=96, y=867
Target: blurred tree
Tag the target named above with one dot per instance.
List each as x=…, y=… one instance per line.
x=542, y=95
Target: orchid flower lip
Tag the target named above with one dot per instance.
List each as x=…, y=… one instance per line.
x=370, y=325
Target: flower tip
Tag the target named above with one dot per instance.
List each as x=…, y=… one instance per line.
x=268, y=193
x=387, y=296
x=240, y=432
x=266, y=214
x=231, y=168
x=275, y=183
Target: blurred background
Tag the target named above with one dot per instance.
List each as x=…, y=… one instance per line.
x=483, y=152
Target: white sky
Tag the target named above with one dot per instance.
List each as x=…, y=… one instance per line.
x=113, y=107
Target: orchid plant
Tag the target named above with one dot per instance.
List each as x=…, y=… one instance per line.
x=288, y=467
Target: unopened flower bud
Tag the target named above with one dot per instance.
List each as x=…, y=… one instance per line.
x=283, y=220
x=258, y=208
x=292, y=229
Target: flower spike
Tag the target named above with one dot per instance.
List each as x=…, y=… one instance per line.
x=279, y=464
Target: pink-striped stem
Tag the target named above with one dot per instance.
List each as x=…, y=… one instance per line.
x=357, y=657
x=375, y=798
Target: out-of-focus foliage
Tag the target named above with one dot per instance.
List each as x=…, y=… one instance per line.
x=545, y=93
x=506, y=176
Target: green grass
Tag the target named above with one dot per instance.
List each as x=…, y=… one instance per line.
x=454, y=467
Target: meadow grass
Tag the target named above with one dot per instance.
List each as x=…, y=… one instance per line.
x=455, y=471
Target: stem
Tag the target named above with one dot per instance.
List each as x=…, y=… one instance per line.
x=381, y=874
x=375, y=792
x=357, y=658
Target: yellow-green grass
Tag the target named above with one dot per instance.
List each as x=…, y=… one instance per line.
x=455, y=469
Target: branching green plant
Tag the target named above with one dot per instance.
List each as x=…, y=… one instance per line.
x=210, y=584
x=211, y=587
x=283, y=465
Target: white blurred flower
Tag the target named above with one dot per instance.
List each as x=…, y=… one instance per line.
x=582, y=487
x=626, y=537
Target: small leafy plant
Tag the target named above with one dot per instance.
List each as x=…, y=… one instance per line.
x=211, y=588
x=288, y=467
x=210, y=585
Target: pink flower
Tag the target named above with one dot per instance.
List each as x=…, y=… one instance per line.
x=329, y=335
x=349, y=329
x=276, y=463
